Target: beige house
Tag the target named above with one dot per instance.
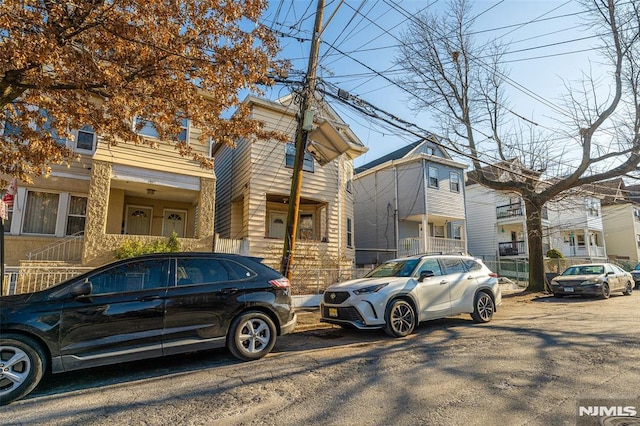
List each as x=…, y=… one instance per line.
x=621, y=219
x=254, y=184
x=112, y=193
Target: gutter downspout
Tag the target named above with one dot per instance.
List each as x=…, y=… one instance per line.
x=425, y=217
x=396, y=223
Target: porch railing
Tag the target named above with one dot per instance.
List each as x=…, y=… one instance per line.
x=509, y=210
x=512, y=248
x=412, y=246
x=583, y=251
x=67, y=249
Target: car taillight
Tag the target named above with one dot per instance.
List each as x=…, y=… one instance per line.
x=280, y=283
x=493, y=274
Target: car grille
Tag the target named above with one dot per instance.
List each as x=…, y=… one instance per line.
x=572, y=283
x=335, y=297
x=348, y=313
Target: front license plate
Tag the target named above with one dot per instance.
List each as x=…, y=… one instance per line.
x=568, y=289
x=333, y=312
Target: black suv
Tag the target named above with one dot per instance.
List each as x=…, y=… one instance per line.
x=144, y=307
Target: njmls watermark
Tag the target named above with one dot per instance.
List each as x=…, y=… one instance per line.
x=608, y=412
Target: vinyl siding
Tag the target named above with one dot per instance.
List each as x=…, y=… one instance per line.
x=481, y=222
x=621, y=231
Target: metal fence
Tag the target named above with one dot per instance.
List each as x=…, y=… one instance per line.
x=27, y=279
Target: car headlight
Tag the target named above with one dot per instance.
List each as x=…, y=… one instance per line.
x=370, y=289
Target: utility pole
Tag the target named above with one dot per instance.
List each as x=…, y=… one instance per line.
x=305, y=124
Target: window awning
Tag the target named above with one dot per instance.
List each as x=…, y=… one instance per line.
x=330, y=140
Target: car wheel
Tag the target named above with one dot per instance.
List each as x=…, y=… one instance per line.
x=22, y=365
x=628, y=290
x=483, y=308
x=401, y=318
x=252, y=336
x=605, y=292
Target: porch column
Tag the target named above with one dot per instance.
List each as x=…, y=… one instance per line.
x=206, y=208
x=97, y=209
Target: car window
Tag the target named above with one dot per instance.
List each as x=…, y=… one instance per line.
x=200, y=271
x=608, y=269
x=472, y=265
x=617, y=269
x=394, y=268
x=452, y=265
x=430, y=265
x=238, y=271
x=130, y=277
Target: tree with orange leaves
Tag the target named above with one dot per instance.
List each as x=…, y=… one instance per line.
x=100, y=63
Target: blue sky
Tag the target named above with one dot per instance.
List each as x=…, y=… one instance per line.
x=549, y=47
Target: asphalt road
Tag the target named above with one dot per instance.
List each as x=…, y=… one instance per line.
x=534, y=364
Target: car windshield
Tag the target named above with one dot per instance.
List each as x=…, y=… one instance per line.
x=585, y=270
x=394, y=268
x=637, y=268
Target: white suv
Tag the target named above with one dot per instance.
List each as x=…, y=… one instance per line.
x=401, y=293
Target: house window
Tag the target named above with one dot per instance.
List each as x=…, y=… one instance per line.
x=41, y=213
x=438, y=231
x=290, y=156
x=350, y=186
x=433, y=177
x=85, y=138
x=76, y=215
x=454, y=182
x=7, y=222
x=580, y=240
x=638, y=240
x=457, y=232
x=592, y=207
x=306, y=226
x=349, y=233
x=636, y=215
x=148, y=128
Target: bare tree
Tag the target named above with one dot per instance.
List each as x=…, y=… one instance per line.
x=466, y=94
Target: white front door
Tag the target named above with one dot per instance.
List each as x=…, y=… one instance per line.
x=277, y=224
x=138, y=221
x=174, y=221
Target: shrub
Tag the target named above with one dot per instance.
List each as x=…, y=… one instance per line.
x=554, y=254
x=134, y=248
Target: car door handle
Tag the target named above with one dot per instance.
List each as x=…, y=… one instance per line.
x=229, y=290
x=444, y=282
x=149, y=298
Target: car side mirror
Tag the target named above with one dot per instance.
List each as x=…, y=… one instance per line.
x=425, y=274
x=82, y=289
x=611, y=273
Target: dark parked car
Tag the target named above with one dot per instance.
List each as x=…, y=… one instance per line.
x=598, y=279
x=140, y=308
x=636, y=275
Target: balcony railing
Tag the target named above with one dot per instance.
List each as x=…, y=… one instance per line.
x=509, y=210
x=512, y=248
x=583, y=251
x=411, y=246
